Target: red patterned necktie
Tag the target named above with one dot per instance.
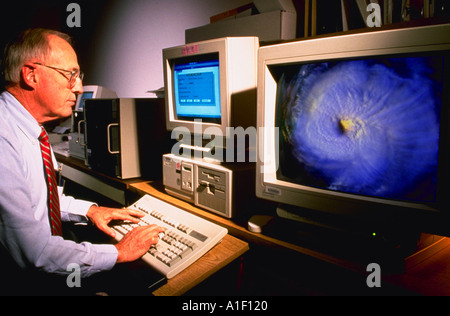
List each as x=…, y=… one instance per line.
x=53, y=197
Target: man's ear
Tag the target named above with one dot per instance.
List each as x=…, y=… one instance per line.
x=29, y=77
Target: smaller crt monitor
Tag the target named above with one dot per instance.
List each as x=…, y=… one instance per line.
x=211, y=85
x=79, y=107
x=89, y=92
x=93, y=92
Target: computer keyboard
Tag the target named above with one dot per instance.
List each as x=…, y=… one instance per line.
x=187, y=237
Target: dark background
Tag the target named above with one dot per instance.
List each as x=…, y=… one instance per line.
x=20, y=15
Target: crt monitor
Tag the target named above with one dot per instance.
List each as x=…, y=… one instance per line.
x=356, y=129
x=89, y=92
x=211, y=85
x=79, y=106
x=92, y=92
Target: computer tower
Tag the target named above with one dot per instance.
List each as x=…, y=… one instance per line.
x=224, y=189
x=125, y=138
x=76, y=137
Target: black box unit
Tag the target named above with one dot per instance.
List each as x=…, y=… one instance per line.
x=125, y=137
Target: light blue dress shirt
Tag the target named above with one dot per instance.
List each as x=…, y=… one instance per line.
x=24, y=222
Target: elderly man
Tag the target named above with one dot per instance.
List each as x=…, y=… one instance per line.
x=43, y=79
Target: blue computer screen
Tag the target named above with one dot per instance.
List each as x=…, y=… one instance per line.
x=369, y=127
x=197, y=90
x=85, y=95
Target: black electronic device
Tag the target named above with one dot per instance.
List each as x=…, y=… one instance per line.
x=125, y=137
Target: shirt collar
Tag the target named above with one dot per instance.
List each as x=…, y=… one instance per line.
x=25, y=121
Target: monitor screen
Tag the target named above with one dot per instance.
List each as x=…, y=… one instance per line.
x=197, y=89
x=85, y=95
x=362, y=126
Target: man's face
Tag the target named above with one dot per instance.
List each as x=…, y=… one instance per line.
x=54, y=94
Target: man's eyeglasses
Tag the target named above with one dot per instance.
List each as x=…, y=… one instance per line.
x=74, y=75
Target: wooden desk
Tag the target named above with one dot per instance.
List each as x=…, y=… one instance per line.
x=220, y=256
x=426, y=273
x=113, y=188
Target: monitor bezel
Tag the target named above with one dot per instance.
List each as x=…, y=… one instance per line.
x=200, y=49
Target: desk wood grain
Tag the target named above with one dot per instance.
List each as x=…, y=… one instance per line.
x=217, y=258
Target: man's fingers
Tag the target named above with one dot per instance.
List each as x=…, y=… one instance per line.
x=150, y=233
x=128, y=215
x=134, y=213
x=150, y=230
x=137, y=242
x=107, y=230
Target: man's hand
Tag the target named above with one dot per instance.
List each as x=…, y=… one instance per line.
x=137, y=242
x=102, y=216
